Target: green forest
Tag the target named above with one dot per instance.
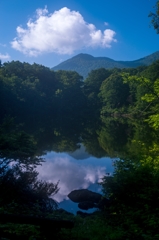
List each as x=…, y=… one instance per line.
x=32, y=91
x=113, y=112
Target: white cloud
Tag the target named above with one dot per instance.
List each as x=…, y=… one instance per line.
x=41, y=12
x=62, y=32
x=4, y=56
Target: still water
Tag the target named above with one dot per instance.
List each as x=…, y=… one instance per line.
x=77, y=170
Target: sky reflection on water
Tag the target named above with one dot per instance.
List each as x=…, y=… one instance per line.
x=74, y=174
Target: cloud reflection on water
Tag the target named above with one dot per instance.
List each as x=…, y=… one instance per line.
x=72, y=173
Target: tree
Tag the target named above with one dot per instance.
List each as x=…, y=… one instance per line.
x=69, y=96
x=147, y=93
x=155, y=17
x=92, y=86
x=114, y=93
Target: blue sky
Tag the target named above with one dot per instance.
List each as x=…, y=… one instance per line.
x=48, y=32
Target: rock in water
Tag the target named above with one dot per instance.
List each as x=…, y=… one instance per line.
x=84, y=195
x=86, y=205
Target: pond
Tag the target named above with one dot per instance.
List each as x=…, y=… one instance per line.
x=78, y=153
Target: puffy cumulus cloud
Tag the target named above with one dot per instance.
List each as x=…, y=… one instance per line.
x=70, y=174
x=62, y=32
x=4, y=56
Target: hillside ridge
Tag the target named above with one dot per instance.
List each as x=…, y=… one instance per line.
x=84, y=63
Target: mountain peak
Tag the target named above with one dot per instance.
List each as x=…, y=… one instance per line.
x=84, y=63
x=84, y=56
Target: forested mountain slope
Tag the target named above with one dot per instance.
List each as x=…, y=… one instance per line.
x=85, y=63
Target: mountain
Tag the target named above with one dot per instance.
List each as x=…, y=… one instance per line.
x=84, y=63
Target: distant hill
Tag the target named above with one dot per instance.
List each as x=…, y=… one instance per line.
x=84, y=63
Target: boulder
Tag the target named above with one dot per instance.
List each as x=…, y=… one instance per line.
x=84, y=195
x=87, y=199
x=86, y=205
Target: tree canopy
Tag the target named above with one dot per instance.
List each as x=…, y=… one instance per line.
x=155, y=17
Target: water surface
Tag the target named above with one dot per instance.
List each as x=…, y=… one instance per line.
x=77, y=170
